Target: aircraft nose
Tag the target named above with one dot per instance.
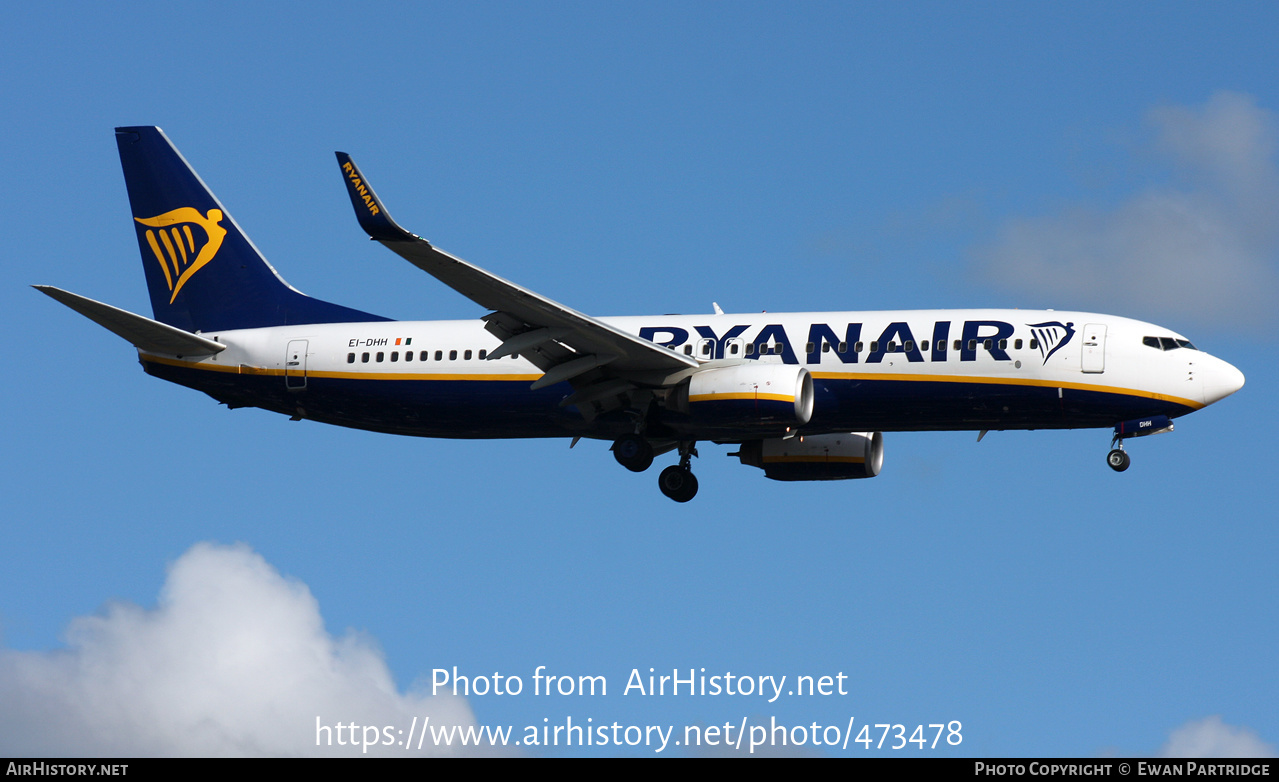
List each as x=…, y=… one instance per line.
x=1220, y=381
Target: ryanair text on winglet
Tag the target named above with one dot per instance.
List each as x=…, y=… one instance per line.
x=358, y=186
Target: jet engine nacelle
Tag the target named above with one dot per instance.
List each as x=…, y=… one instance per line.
x=823, y=457
x=776, y=397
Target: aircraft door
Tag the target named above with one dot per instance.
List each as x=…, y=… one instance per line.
x=295, y=365
x=1094, y=348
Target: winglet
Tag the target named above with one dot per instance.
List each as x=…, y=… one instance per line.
x=373, y=217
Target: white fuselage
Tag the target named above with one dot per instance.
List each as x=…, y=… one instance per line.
x=884, y=370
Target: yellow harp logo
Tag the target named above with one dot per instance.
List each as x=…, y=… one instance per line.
x=180, y=253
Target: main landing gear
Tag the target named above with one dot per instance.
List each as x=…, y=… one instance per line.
x=635, y=453
x=678, y=481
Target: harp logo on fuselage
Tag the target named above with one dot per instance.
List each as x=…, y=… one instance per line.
x=179, y=251
x=1052, y=335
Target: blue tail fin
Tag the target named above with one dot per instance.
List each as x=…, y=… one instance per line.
x=203, y=273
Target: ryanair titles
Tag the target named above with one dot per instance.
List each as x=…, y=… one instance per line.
x=848, y=343
x=357, y=187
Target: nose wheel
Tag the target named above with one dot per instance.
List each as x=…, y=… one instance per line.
x=1137, y=427
x=1118, y=457
x=678, y=481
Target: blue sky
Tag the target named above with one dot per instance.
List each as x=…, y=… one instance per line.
x=172, y=566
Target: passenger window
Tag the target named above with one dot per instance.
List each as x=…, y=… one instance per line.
x=972, y=344
x=908, y=345
x=350, y=358
x=1003, y=344
x=380, y=356
x=452, y=355
x=439, y=355
x=750, y=348
x=1034, y=344
x=408, y=355
x=825, y=347
x=483, y=355
x=843, y=347
x=395, y=355
x=688, y=350
x=733, y=348
x=364, y=358
x=808, y=347
x=467, y=355
x=959, y=345
x=1016, y=344
x=892, y=346
x=858, y=347
x=874, y=346
x=941, y=346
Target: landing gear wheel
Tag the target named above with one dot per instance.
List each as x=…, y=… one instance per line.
x=633, y=452
x=1118, y=460
x=678, y=483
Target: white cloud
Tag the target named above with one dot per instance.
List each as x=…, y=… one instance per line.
x=1202, y=249
x=1212, y=738
x=234, y=660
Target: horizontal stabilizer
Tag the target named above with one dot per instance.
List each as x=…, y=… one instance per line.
x=144, y=333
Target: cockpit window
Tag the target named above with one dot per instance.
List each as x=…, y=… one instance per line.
x=1167, y=343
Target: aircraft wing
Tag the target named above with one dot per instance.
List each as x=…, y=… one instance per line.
x=562, y=342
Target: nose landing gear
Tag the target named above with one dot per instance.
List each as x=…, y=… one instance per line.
x=1137, y=427
x=1118, y=458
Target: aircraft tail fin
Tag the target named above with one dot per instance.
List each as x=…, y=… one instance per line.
x=203, y=272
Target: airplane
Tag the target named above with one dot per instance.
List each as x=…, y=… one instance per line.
x=803, y=396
